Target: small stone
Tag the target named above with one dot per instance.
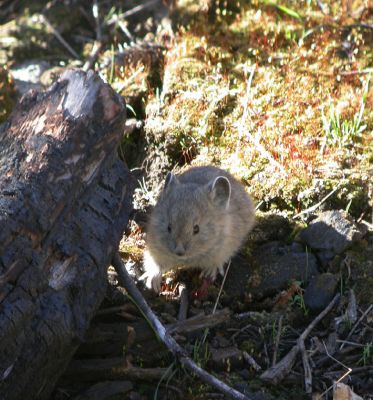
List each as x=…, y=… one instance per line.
x=331, y=234
x=320, y=291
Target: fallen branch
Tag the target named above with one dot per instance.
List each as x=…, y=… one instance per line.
x=166, y=338
x=366, y=312
x=199, y=322
x=306, y=367
x=96, y=48
x=276, y=373
x=58, y=36
x=110, y=369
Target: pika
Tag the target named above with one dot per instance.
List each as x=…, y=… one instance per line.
x=200, y=220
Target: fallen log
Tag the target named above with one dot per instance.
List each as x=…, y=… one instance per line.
x=65, y=200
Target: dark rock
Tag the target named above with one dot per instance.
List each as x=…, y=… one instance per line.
x=277, y=265
x=320, y=291
x=331, y=234
x=236, y=283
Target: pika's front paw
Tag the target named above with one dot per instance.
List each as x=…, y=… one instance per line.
x=211, y=273
x=152, y=275
x=152, y=281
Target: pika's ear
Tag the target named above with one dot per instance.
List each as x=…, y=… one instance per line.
x=170, y=181
x=220, y=191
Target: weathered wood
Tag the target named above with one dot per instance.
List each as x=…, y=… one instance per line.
x=110, y=369
x=109, y=339
x=65, y=200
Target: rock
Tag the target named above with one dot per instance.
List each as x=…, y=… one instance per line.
x=237, y=278
x=320, y=291
x=277, y=265
x=331, y=234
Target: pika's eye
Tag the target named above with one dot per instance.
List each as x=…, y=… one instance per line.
x=169, y=228
x=195, y=229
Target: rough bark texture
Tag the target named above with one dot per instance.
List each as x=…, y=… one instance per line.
x=65, y=200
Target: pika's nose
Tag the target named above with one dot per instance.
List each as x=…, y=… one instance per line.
x=180, y=250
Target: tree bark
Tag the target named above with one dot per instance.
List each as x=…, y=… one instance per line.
x=65, y=199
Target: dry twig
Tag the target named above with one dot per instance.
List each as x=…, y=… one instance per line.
x=367, y=311
x=97, y=46
x=306, y=367
x=184, y=303
x=276, y=373
x=139, y=8
x=316, y=206
x=58, y=36
x=341, y=378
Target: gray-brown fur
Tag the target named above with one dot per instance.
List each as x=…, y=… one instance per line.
x=205, y=197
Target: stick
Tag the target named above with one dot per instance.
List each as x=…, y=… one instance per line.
x=217, y=299
x=58, y=36
x=349, y=370
x=279, y=371
x=97, y=46
x=138, y=8
x=367, y=311
x=184, y=303
x=321, y=6
x=199, y=322
x=306, y=367
x=221, y=288
x=135, y=10
x=166, y=338
x=96, y=15
x=316, y=206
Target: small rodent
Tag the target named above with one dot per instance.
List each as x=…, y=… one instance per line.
x=200, y=220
